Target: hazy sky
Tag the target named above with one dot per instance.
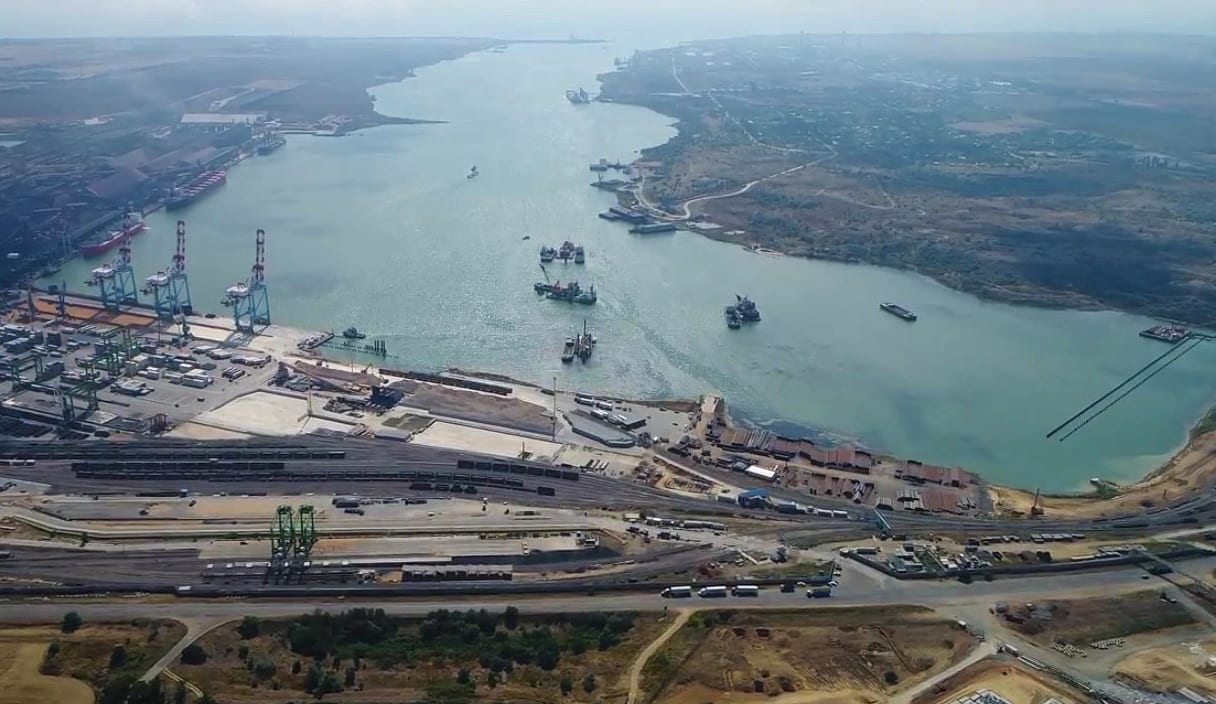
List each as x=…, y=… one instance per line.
x=685, y=19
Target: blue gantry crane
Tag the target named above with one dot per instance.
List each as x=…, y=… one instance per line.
x=249, y=299
x=115, y=281
x=170, y=290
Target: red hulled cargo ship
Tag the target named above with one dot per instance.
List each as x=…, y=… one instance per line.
x=132, y=224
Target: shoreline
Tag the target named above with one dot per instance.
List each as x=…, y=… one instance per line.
x=985, y=291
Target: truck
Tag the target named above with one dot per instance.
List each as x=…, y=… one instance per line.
x=819, y=592
x=676, y=593
x=866, y=550
x=712, y=592
x=745, y=590
x=819, y=580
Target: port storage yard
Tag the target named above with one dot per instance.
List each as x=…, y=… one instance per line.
x=303, y=475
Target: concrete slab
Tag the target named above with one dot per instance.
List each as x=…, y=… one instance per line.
x=459, y=437
x=263, y=413
x=200, y=431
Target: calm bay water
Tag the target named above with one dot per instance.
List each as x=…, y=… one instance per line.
x=382, y=230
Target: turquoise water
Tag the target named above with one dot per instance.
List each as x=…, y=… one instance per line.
x=382, y=230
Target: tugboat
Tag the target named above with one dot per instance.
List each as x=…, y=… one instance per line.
x=547, y=254
x=899, y=311
x=584, y=344
x=578, y=97
x=352, y=333
x=472, y=172
x=732, y=318
x=566, y=251
x=568, y=351
x=587, y=298
x=580, y=257
x=746, y=309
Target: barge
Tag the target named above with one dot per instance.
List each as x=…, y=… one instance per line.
x=898, y=311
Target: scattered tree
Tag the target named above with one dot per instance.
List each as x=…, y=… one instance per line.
x=351, y=673
x=463, y=677
x=567, y=684
x=295, y=667
x=71, y=622
x=118, y=657
x=250, y=627
x=265, y=669
x=179, y=694
x=194, y=654
x=492, y=679
x=243, y=652
x=589, y=683
x=510, y=618
x=312, y=679
x=890, y=677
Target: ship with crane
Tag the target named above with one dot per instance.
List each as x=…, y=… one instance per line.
x=132, y=224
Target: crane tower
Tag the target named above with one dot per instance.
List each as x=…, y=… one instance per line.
x=116, y=281
x=249, y=299
x=171, y=290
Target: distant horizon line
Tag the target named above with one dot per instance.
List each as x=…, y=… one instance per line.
x=582, y=40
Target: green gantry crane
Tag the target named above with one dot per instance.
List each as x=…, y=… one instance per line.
x=292, y=537
x=282, y=536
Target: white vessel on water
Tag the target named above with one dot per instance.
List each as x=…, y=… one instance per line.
x=472, y=172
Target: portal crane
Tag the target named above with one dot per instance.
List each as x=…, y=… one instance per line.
x=170, y=290
x=249, y=299
x=116, y=281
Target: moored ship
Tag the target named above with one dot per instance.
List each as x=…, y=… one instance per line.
x=132, y=224
x=568, y=351
x=270, y=143
x=899, y=311
x=206, y=182
x=352, y=333
x=653, y=228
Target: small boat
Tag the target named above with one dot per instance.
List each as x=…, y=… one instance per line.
x=352, y=333
x=580, y=256
x=899, y=311
x=732, y=318
x=547, y=254
x=568, y=351
x=527, y=237
x=472, y=172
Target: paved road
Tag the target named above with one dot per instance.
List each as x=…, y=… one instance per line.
x=858, y=592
